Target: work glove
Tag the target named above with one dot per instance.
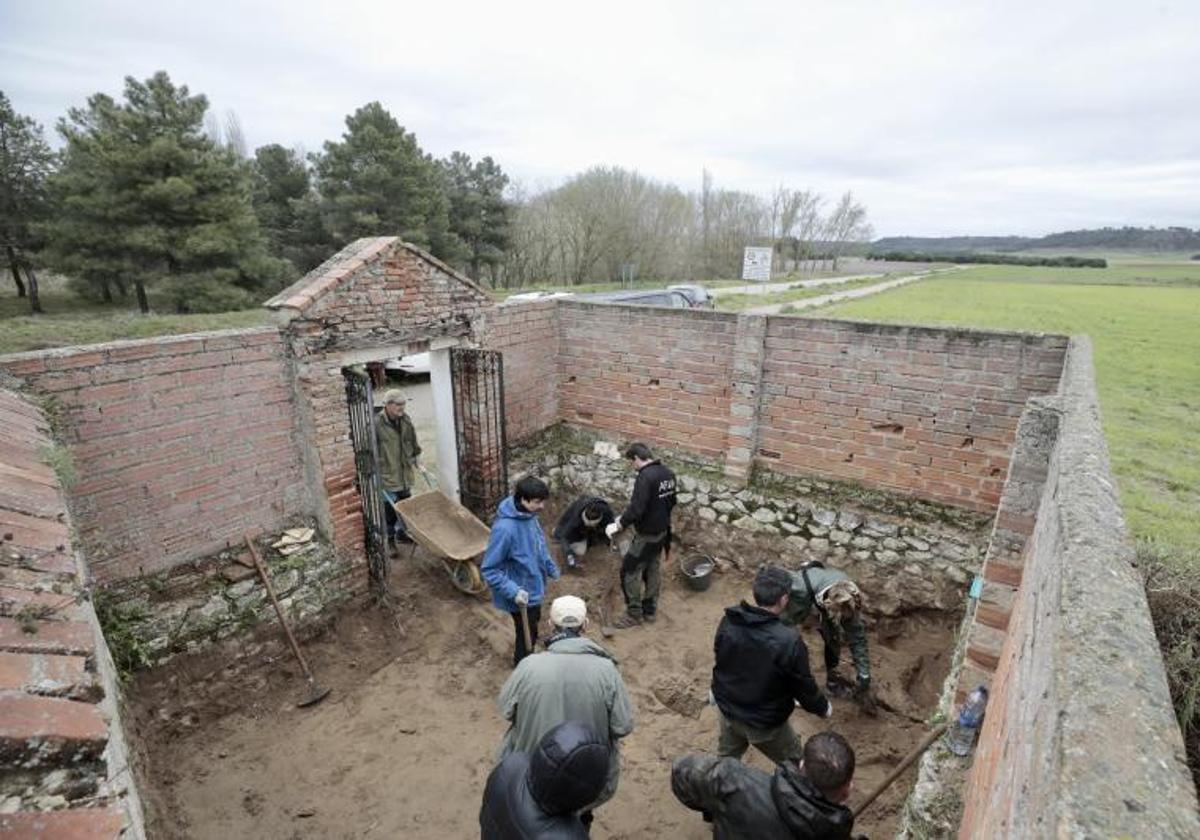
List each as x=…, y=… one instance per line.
x=522, y=598
x=612, y=529
x=828, y=710
x=571, y=560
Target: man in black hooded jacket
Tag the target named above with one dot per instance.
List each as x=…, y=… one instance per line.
x=761, y=674
x=538, y=794
x=801, y=800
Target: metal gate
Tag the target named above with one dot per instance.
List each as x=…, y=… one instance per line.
x=361, y=406
x=478, y=384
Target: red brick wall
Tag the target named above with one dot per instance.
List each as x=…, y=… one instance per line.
x=372, y=298
x=928, y=412
x=180, y=444
x=649, y=374
x=527, y=335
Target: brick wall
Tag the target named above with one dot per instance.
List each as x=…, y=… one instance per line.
x=527, y=335
x=1080, y=737
x=928, y=412
x=656, y=375
x=376, y=298
x=180, y=444
x=64, y=766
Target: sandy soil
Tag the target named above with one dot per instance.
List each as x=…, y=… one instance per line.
x=403, y=746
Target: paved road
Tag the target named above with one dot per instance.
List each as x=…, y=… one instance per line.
x=767, y=288
x=834, y=297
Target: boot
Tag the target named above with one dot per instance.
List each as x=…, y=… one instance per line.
x=626, y=621
x=838, y=686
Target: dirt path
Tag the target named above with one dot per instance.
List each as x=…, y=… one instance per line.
x=404, y=745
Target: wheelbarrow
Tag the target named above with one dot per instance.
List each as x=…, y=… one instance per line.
x=450, y=532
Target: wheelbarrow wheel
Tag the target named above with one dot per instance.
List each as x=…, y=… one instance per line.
x=464, y=574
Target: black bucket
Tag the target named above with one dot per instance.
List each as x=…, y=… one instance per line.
x=697, y=570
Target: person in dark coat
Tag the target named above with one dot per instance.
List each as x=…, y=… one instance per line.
x=801, y=800
x=761, y=674
x=537, y=795
x=649, y=514
x=581, y=526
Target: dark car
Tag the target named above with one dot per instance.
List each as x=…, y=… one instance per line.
x=648, y=297
x=699, y=296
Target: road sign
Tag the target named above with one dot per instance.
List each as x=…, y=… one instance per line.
x=756, y=264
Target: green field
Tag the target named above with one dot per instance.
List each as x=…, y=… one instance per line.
x=1147, y=347
x=71, y=320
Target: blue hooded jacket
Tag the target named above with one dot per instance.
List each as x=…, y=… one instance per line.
x=516, y=557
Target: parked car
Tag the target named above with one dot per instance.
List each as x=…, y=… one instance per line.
x=528, y=296
x=415, y=365
x=699, y=296
x=646, y=297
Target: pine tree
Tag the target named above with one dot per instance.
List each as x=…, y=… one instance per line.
x=479, y=213
x=148, y=198
x=26, y=162
x=287, y=207
x=378, y=182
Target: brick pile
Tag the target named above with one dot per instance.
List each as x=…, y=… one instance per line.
x=54, y=736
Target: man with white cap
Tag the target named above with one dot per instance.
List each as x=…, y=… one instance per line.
x=573, y=679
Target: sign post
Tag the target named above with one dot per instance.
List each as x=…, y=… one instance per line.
x=756, y=264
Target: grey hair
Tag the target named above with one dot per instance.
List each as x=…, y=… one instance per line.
x=395, y=395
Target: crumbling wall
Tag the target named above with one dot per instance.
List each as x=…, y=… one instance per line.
x=377, y=298
x=64, y=767
x=180, y=444
x=1080, y=738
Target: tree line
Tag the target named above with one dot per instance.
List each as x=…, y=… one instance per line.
x=151, y=193
x=988, y=259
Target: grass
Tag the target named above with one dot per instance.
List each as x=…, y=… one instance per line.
x=1144, y=321
x=736, y=303
x=71, y=320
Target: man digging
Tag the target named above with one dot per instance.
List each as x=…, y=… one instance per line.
x=839, y=603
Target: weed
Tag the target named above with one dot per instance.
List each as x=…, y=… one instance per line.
x=120, y=621
x=59, y=459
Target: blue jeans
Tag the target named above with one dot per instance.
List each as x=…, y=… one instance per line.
x=395, y=524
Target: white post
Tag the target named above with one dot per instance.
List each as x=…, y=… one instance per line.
x=443, y=419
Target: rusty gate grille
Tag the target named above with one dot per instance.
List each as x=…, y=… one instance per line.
x=478, y=385
x=361, y=406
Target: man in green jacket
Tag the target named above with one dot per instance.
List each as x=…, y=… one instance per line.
x=838, y=603
x=573, y=679
x=399, y=453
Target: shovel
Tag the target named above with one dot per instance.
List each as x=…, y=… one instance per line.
x=315, y=692
x=916, y=753
x=525, y=628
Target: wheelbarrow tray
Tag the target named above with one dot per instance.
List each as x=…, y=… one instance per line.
x=442, y=526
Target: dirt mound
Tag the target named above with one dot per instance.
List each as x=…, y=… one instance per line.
x=680, y=695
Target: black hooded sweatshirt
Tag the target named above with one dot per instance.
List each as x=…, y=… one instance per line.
x=536, y=795
x=761, y=669
x=745, y=803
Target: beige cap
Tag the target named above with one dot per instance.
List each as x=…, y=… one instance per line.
x=568, y=611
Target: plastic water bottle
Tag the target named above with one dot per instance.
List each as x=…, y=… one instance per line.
x=970, y=717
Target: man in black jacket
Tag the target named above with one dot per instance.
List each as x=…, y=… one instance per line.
x=582, y=526
x=537, y=794
x=800, y=800
x=761, y=673
x=649, y=514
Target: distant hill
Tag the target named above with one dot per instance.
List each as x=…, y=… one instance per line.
x=1122, y=239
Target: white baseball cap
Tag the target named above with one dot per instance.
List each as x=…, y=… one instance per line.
x=568, y=611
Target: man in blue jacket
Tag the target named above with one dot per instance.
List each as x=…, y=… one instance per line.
x=517, y=561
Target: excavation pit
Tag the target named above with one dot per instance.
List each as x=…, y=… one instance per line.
x=403, y=746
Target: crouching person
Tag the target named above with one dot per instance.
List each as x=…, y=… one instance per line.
x=801, y=799
x=539, y=794
x=581, y=526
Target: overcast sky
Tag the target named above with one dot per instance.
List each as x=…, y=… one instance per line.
x=943, y=117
